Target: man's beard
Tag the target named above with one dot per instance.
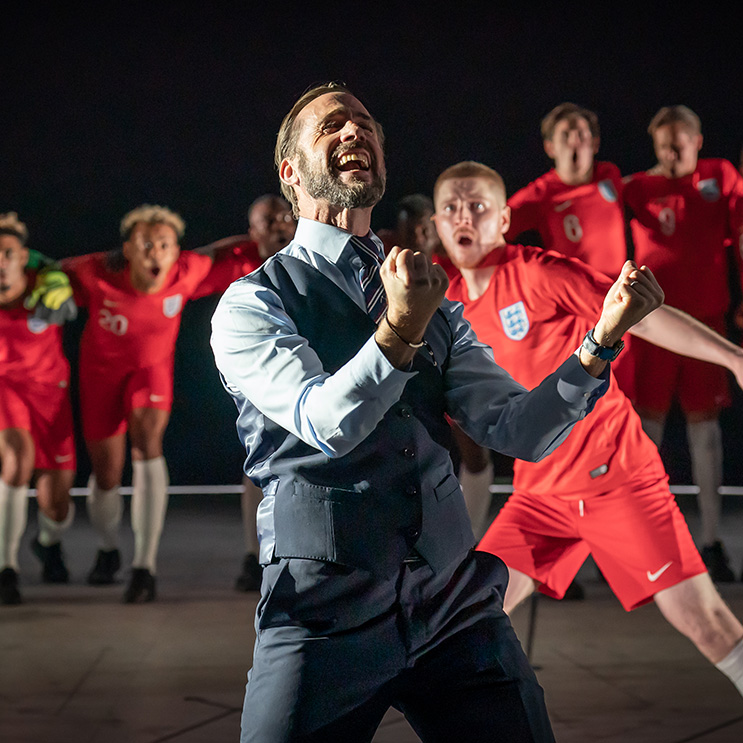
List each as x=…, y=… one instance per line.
x=323, y=184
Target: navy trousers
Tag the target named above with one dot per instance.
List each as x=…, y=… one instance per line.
x=335, y=649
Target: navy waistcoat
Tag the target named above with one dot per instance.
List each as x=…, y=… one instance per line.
x=394, y=492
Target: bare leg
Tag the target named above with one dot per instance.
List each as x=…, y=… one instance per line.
x=53, y=493
x=653, y=424
x=705, y=447
x=696, y=609
x=520, y=587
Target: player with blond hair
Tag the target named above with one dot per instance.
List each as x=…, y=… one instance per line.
x=134, y=299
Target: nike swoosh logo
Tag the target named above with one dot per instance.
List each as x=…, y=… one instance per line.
x=562, y=207
x=157, y=398
x=60, y=459
x=652, y=577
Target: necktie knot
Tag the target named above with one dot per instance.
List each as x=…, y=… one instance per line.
x=369, y=276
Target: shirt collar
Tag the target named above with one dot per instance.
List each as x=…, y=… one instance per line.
x=326, y=239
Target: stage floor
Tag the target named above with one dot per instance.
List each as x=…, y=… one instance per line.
x=78, y=666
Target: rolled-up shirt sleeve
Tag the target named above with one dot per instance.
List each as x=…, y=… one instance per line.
x=497, y=412
x=260, y=354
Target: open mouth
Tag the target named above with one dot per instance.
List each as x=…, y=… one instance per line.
x=353, y=160
x=464, y=241
x=155, y=271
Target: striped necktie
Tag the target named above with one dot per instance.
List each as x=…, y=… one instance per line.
x=371, y=281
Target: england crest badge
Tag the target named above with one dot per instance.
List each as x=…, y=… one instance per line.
x=607, y=190
x=515, y=321
x=36, y=325
x=709, y=189
x=172, y=305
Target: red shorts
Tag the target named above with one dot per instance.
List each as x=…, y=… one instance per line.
x=636, y=534
x=107, y=398
x=661, y=375
x=45, y=411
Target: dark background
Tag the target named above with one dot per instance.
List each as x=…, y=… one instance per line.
x=105, y=108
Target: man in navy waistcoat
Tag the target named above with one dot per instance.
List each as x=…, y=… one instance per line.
x=372, y=593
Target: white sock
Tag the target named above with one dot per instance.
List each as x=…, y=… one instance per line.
x=705, y=448
x=149, y=503
x=476, y=490
x=251, y=497
x=105, y=508
x=654, y=429
x=50, y=531
x=732, y=666
x=13, y=517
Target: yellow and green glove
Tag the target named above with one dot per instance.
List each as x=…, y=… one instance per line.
x=51, y=298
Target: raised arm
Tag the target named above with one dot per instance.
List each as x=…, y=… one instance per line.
x=676, y=331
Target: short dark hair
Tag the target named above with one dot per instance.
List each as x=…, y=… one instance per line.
x=11, y=225
x=267, y=198
x=414, y=206
x=286, y=140
x=568, y=111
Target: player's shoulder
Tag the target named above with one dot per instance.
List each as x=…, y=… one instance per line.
x=710, y=167
x=604, y=169
x=635, y=183
x=548, y=262
x=191, y=259
x=515, y=257
x=534, y=190
x=92, y=267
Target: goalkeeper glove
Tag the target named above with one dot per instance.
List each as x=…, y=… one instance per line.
x=51, y=298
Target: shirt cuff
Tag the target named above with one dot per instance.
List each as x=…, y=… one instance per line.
x=577, y=387
x=374, y=374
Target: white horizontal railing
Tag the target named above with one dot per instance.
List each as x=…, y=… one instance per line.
x=494, y=488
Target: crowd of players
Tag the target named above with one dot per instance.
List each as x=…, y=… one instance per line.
x=680, y=218
x=134, y=297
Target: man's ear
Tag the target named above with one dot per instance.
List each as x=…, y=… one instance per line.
x=288, y=173
x=549, y=148
x=700, y=140
x=596, y=143
x=505, y=217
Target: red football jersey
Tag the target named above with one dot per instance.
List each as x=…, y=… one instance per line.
x=445, y=262
x=680, y=231
x=31, y=349
x=126, y=328
x=534, y=314
x=585, y=221
x=230, y=264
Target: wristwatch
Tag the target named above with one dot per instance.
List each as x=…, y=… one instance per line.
x=605, y=353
